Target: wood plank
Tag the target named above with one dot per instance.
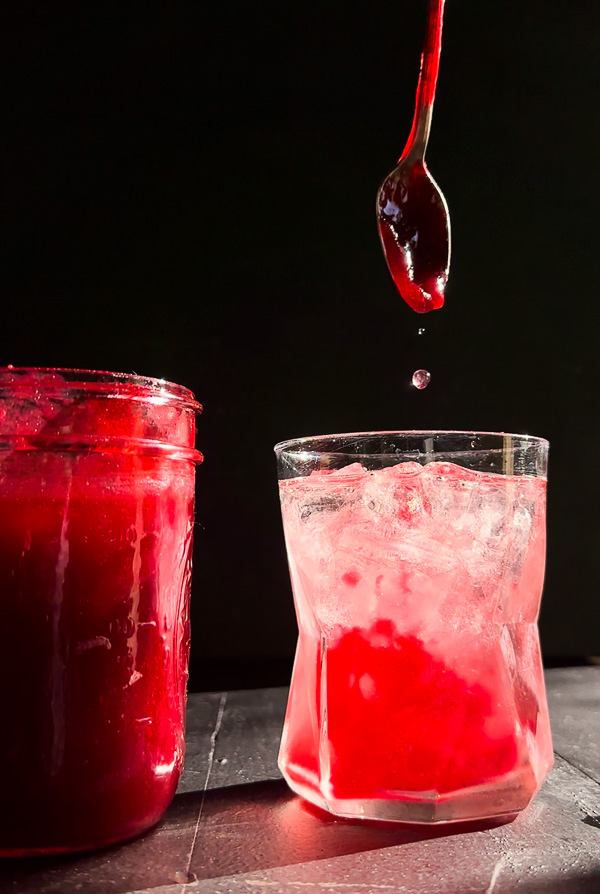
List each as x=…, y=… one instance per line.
x=574, y=701
x=246, y=832
x=158, y=858
x=248, y=742
x=259, y=836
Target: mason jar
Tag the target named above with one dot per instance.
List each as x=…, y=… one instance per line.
x=96, y=521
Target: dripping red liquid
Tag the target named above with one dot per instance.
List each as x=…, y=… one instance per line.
x=411, y=211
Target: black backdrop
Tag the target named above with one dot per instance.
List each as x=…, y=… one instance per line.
x=190, y=194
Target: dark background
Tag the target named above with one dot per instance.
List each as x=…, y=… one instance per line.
x=190, y=194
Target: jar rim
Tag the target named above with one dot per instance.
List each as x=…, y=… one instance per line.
x=51, y=379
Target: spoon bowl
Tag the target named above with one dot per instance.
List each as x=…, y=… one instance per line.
x=414, y=228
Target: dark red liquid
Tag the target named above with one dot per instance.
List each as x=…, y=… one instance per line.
x=412, y=214
x=413, y=226
x=94, y=581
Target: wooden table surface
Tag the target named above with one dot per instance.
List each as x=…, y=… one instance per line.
x=235, y=827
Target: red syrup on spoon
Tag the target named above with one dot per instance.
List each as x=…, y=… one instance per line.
x=412, y=214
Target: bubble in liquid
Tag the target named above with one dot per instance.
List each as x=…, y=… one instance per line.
x=421, y=379
x=421, y=332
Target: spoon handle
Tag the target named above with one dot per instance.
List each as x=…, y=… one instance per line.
x=430, y=63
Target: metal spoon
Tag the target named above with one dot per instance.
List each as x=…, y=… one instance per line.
x=412, y=214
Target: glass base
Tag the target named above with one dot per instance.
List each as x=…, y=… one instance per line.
x=501, y=799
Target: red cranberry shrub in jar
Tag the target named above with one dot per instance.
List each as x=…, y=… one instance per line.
x=96, y=517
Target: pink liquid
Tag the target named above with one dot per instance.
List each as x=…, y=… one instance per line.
x=418, y=675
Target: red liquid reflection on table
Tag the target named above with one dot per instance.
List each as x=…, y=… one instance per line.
x=96, y=513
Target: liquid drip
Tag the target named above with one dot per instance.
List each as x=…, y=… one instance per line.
x=421, y=379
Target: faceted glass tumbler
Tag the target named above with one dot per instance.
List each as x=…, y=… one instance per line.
x=417, y=564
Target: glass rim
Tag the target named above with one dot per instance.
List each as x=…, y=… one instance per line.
x=124, y=385
x=292, y=445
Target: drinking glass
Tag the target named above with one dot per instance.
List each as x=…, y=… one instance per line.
x=417, y=564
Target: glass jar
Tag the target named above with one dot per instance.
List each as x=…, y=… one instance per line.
x=96, y=520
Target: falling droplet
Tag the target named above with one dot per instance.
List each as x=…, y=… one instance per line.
x=421, y=379
x=421, y=332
